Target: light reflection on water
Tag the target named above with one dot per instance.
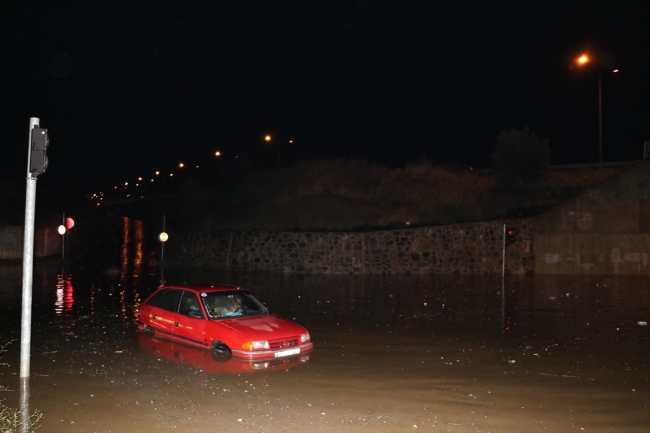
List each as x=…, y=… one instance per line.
x=531, y=305
x=393, y=309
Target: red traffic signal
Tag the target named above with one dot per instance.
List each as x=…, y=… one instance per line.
x=511, y=236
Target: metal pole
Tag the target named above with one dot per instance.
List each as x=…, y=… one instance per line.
x=28, y=261
x=162, y=248
x=600, y=118
x=24, y=405
x=503, y=259
x=63, y=240
x=162, y=256
x=503, y=280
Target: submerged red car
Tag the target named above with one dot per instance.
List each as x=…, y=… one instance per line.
x=227, y=320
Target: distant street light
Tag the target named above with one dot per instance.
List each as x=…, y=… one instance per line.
x=585, y=60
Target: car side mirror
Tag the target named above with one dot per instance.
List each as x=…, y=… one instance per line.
x=195, y=314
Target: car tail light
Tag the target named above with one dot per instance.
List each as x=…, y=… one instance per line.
x=255, y=345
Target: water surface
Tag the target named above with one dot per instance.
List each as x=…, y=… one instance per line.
x=392, y=354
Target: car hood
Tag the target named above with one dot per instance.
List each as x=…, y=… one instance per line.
x=267, y=327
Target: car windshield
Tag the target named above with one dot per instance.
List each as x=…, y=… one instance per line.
x=231, y=304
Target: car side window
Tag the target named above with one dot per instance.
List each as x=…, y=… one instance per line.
x=155, y=298
x=190, y=303
x=169, y=300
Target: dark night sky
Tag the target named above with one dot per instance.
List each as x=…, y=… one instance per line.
x=128, y=87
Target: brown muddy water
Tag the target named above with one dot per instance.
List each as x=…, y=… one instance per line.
x=392, y=354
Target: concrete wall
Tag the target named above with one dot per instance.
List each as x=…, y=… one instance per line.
x=46, y=242
x=605, y=230
x=474, y=248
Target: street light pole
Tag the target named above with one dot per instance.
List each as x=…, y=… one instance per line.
x=585, y=60
x=600, y=118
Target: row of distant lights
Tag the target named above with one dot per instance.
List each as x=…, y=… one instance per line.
x=100, y=196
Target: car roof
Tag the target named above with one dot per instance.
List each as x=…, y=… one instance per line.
x=199, y=288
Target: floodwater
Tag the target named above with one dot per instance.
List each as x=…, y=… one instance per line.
x=392, y=354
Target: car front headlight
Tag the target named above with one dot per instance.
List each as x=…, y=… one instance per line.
x=305, y=337
x=255, y=345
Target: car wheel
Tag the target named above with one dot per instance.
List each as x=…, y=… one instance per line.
x=148, y=331
x=220, y=352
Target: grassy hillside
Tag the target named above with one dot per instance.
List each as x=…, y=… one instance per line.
x=352, y=195
x=325, y=195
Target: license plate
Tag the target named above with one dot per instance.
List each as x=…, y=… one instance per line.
x=287, y=353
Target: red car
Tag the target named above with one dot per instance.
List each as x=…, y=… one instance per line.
x=227, y=320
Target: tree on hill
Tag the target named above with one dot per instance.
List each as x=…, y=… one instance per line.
x=520, y=159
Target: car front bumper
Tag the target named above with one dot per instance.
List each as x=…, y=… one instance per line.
x=273, y=354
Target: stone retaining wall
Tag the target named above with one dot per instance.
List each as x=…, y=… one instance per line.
x=46, y=242
x=472, y=248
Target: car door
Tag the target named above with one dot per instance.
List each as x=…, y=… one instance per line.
x=163, y=314
x=189, y=324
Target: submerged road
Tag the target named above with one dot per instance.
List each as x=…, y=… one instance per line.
x=392, y=354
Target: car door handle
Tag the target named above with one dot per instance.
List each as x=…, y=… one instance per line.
x=153, y=317
x=175, y=323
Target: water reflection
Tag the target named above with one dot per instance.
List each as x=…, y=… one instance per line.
x=202, y=360
x=63, y=305
x=132, y=248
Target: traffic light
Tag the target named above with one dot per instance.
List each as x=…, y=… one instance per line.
x=511, y=236
x=38, y=151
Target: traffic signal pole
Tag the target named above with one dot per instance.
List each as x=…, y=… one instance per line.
x=503, y=259
x=28, y=260
x=36, y=164
x=28, y=269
